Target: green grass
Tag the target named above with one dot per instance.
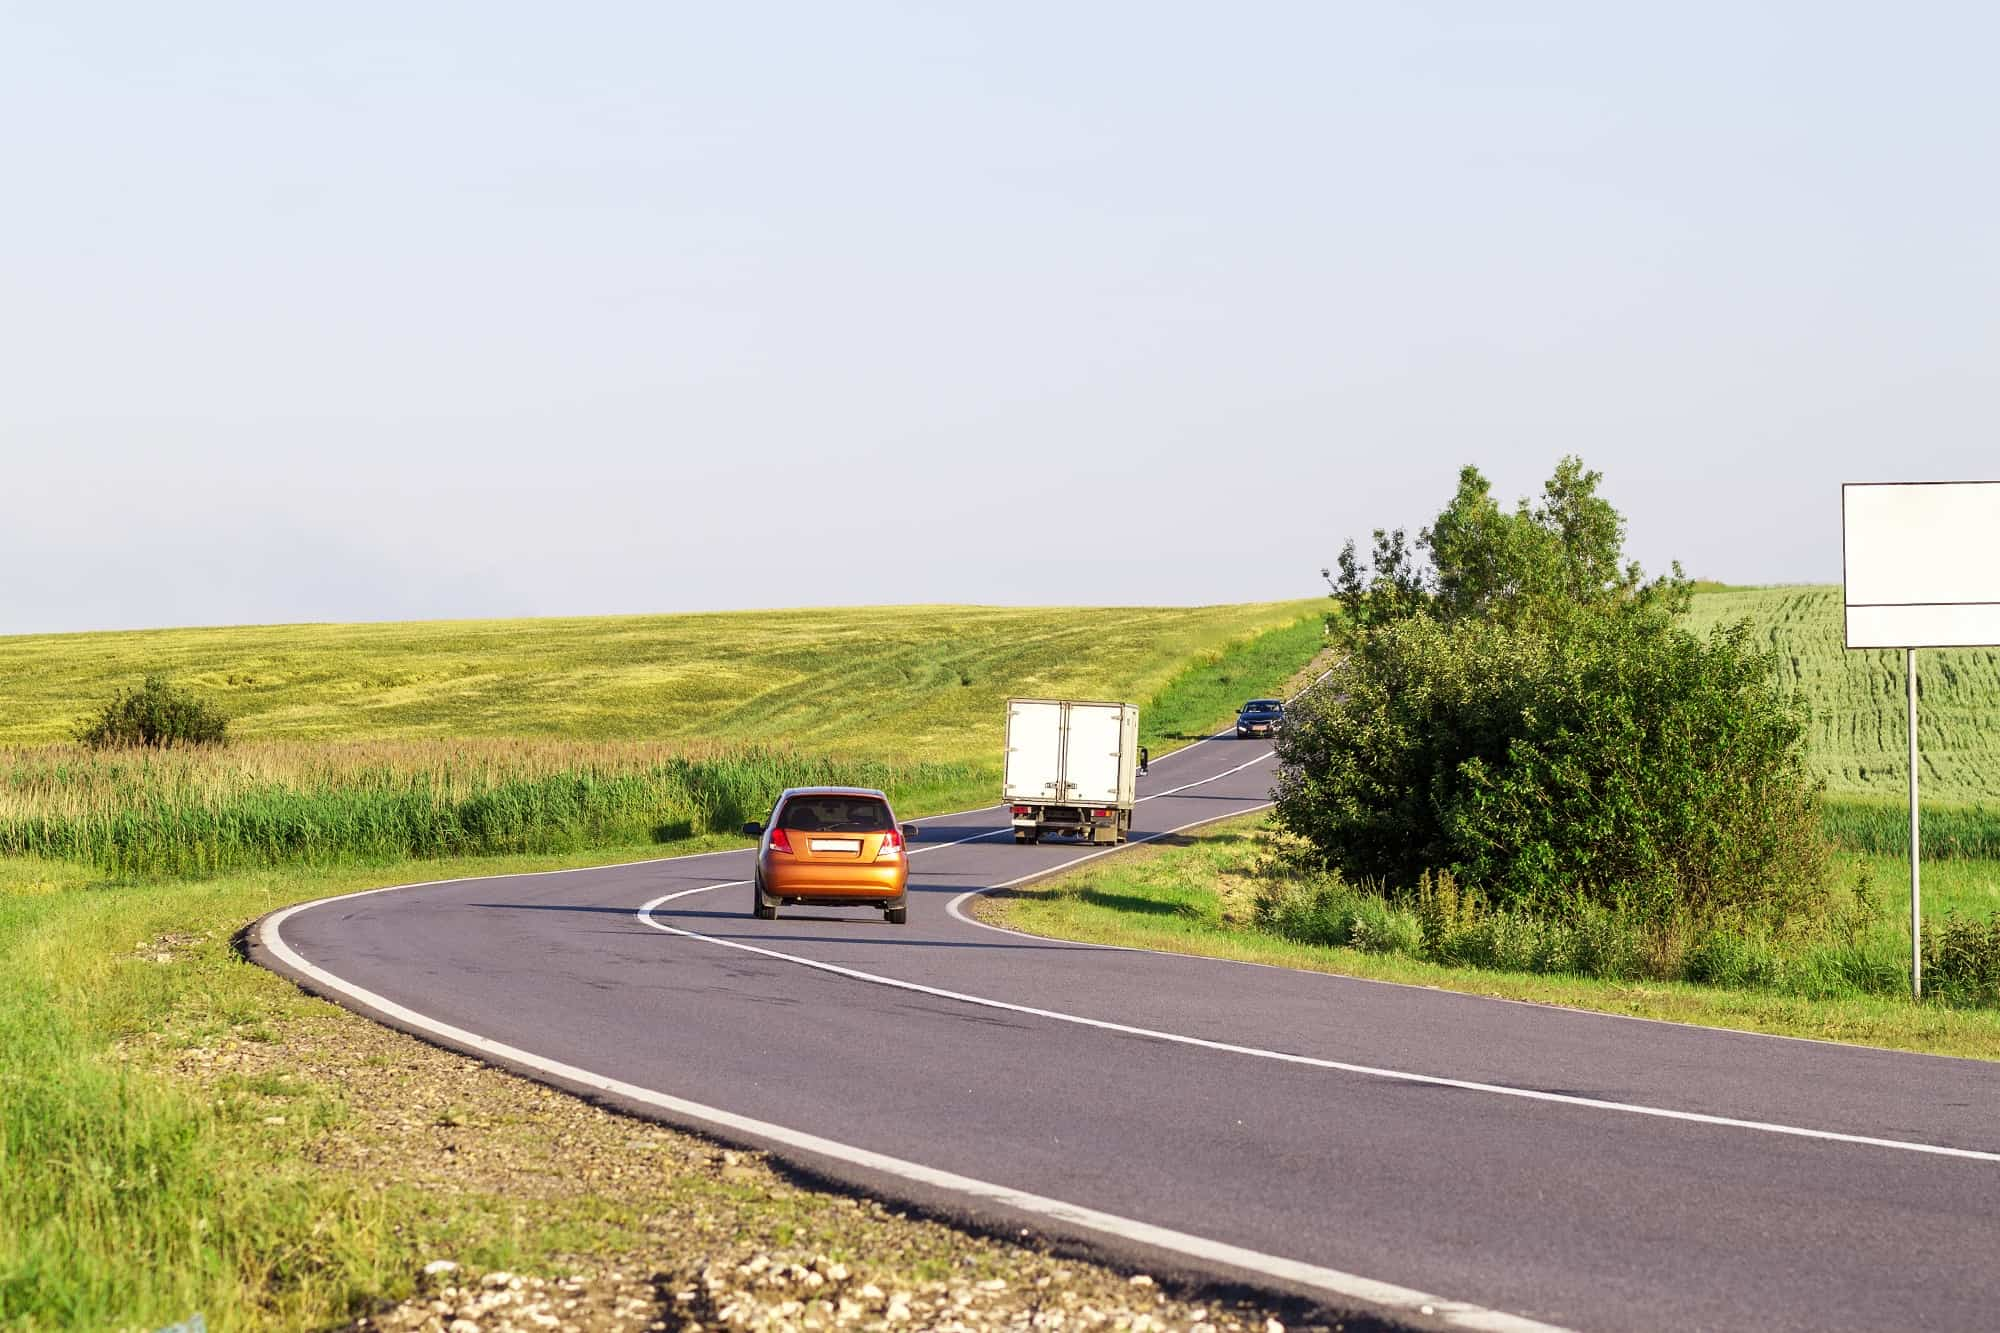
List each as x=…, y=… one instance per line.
x=1859, y=740
x=1944, y=832
x=904, y=683
x=1210, y=691
x=1200, y=898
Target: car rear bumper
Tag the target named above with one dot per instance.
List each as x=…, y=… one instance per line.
x=870, y=880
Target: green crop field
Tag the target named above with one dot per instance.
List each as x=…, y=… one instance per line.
x=1859, y=740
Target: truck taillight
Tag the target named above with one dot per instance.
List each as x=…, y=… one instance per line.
x=1100, y=814
x=892, y=846
x=1021, y=810
x=779, y=842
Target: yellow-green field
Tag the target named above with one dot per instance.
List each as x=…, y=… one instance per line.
x=1859, y=741
x=911, y=683
x=535, y=736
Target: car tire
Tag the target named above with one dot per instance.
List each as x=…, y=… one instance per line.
x=899, y=915
x=760, y=907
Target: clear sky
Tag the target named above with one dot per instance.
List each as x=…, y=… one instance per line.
x=374, y=311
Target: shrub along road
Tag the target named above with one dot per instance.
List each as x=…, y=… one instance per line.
x=1369, y=1142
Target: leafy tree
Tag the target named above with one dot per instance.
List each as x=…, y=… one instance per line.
x=156, y=715
x=1560, y=552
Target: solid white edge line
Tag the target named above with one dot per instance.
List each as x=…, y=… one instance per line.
x=1332, y=1281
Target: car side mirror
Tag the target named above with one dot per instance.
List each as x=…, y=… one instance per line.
x=909, y=833
x=753, y=830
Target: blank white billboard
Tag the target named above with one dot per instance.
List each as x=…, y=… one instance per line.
x=1922, y=562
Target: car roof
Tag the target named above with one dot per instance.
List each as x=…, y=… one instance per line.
x=1265, y=703
x=834, y=791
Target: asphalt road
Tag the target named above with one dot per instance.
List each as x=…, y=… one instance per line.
x=1316, y=1133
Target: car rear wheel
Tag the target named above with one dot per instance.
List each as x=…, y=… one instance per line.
x=764, y=909
x=897, y=915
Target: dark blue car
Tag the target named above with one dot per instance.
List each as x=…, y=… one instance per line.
x=1260, y=717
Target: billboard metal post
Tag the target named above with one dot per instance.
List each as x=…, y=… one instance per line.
x=1916, y=897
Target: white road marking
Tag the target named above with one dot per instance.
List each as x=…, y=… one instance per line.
x=1459, y=1314
x=645, y=914
x=1347, y=1286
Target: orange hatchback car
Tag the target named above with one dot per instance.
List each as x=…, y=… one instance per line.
x=832, y=847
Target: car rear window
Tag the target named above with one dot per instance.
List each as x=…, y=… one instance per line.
x=834, y=814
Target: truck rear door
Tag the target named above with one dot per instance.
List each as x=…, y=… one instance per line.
x=1096, y=756
x=1034, y=751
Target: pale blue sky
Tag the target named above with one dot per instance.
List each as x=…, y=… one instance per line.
x=378, y=311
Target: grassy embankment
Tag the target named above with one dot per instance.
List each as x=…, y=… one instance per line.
x=181, y=1131
x=1202, y=897
x=1846, y=984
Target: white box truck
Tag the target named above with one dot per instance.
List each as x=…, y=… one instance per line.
x=1071, y=768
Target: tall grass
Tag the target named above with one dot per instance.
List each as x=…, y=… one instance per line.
x=194, y=812
x=1944, y=832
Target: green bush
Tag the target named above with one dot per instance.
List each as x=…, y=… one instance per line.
x=1604, y=758
x=1529, y=717
x=155, y=715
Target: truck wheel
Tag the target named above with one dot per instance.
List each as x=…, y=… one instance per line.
x=1024, y=835
x=759, y=908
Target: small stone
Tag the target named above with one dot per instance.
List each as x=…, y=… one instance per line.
x=1141, y=1280
x=499, y=1277
x=1273, y=1326
x=461, y=1326
x=439, y=1267
x=871, y=1292
x=993, y=1284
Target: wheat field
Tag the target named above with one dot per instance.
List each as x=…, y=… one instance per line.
x=1859, y=738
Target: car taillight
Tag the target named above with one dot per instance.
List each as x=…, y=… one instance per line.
x=780, y=842
x=892, y=846
x=1020, y=809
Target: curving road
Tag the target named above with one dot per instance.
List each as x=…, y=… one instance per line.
x=1444, y=1159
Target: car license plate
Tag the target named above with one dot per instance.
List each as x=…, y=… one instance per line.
x=836, y=844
